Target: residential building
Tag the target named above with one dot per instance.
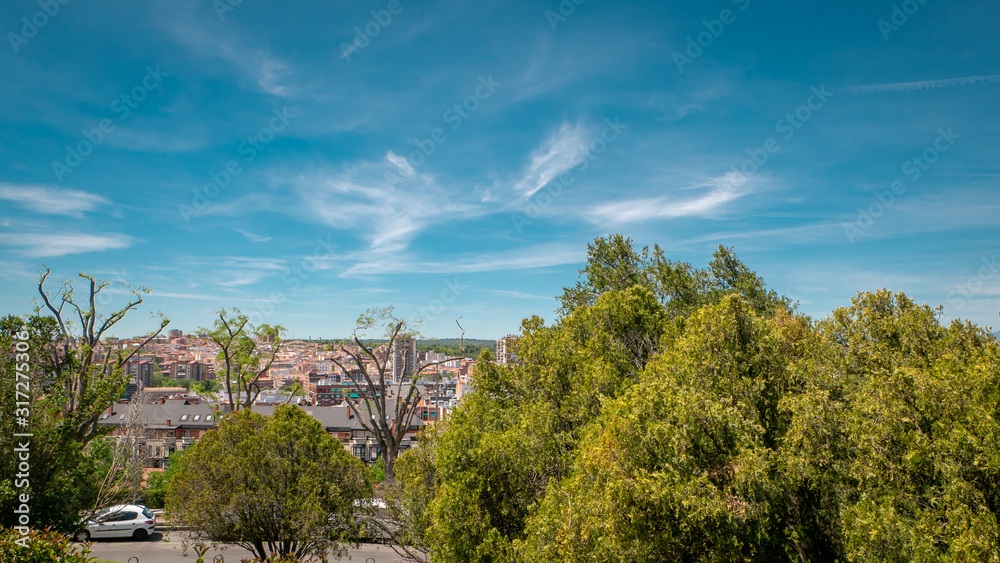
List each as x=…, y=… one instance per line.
x=507, y=350
x=403, y=355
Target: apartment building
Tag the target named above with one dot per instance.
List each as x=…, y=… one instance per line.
x=507, y=350
x=403, y=357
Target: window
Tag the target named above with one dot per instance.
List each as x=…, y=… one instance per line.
x=184, y=417
x=209, y=417
x=197, y=417
x=119, y=517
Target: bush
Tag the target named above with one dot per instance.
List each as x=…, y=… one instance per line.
x=44, y=547
x=157, y=484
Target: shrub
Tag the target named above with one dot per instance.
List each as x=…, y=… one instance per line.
x=45, y=546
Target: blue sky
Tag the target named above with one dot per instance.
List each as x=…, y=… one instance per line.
x=306, y=160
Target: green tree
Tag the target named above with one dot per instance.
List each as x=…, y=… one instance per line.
x=276, y=485
x=517, y=433
x=73, y=375
x=920, y=456
x=158, y=483
x=206, y=386
x=410, y=500
x=687, y=464
x=246, y=351
x=613, y=264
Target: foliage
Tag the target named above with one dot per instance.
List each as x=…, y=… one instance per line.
x=516, y=434
x=469, y=348
x=921, y=432
x=69, y=460
x=294, y=389
x=73, y=375
x=681, y=414
x=406, y=518
x=164, y=381
x=686, y=465
x=44, y=547
x=247, y=352
x=158, y=483
x=376, y=471
x=206, y=386
x=276, y=485
x=613, y=264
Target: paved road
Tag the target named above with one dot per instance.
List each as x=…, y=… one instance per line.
x=167, y=548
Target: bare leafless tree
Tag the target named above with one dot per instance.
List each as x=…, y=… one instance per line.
x=389, y=427
x=123, y=481
x=91, y=372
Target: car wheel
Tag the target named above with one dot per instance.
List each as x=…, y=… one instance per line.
x=140, y=534
x=82, y=536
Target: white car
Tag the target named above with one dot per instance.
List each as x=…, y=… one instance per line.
x=120, y=521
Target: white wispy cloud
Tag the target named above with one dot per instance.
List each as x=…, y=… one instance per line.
x=537, y=256
x=564, y=150
x=43, y=245
x=720, y=190
x=514, y=294
x=188, y=296
x=388, y=202
x=921, y=85
x=10, y=270
x=269, y=73
x=51, y=201
x=251, y=236
x=234, y=271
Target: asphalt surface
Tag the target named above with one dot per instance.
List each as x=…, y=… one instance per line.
x=167, y=547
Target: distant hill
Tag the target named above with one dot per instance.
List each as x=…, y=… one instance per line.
x=441, y=345
x=450, y=346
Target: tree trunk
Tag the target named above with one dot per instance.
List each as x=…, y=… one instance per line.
x=388, y=464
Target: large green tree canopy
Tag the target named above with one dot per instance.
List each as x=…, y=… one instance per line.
x=674, y=413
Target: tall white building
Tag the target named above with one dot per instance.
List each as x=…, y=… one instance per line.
x=507, y=350
x=403, y=356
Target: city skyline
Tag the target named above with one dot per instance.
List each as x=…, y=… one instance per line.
x=306, y=162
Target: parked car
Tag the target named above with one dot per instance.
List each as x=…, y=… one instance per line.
x=120, y=521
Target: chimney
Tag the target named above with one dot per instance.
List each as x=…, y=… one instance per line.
x=168, y=422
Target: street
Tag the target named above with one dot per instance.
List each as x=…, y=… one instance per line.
x=167, y=547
